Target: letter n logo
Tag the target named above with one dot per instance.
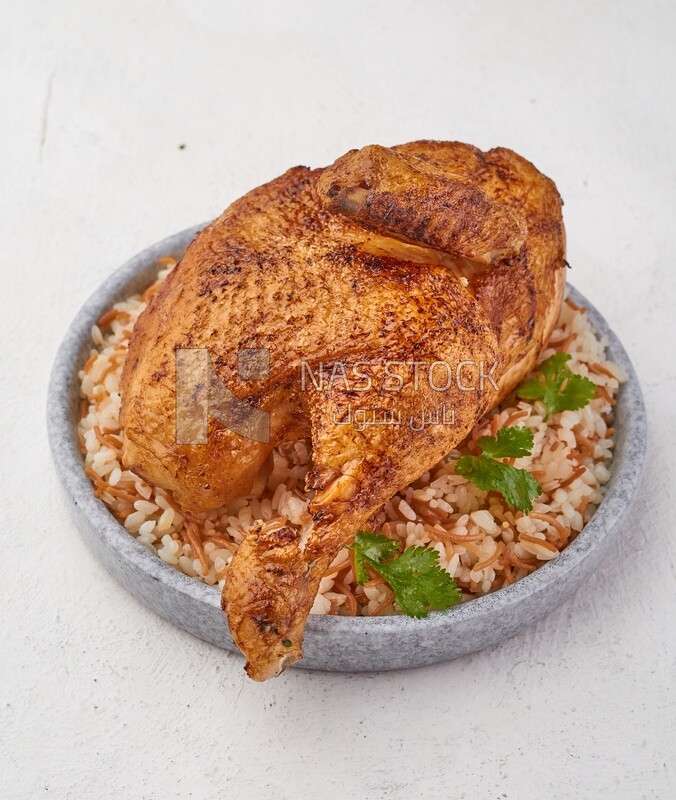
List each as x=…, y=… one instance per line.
x=200, y=394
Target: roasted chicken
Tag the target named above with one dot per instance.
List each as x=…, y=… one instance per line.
x=429, y=253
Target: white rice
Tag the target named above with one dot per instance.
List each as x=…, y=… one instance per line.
x=481, y=542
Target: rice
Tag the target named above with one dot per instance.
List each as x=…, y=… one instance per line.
x=482, y=543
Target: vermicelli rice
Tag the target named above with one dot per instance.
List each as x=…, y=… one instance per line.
x=482, y=543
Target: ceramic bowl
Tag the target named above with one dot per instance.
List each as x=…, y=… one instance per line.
x=332, y=642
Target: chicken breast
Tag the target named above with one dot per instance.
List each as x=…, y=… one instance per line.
x=303, y=310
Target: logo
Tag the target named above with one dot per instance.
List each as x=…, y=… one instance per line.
x=201, y=395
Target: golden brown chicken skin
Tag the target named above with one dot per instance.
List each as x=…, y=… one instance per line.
x=430, y=252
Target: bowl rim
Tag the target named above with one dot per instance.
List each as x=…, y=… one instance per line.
x=627, y=464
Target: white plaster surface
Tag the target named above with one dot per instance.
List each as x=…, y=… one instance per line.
x=99, y=698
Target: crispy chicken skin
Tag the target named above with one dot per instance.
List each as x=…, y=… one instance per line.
x=426, y=252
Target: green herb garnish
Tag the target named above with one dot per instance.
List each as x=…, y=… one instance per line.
x=517, y=486
x=418, y=581
x=557, y=386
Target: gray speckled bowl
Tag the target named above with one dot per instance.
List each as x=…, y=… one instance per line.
x=332, y=643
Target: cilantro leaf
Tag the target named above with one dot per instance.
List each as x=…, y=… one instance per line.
x=517, y=486
x=371, y=548
x=557, y=386
x=416, y=578
x=418, y=582
x=576, y=393
x=552, y=366
x=509, y=443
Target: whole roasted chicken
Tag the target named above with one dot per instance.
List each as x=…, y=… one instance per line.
x=314, y=297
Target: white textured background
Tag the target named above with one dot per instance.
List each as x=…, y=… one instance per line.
x=100, y=698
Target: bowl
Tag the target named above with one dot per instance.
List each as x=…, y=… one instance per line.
x=332, y=643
